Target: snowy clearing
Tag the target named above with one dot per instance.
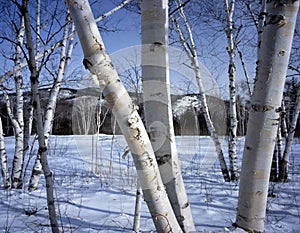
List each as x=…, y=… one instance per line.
x=103, y=201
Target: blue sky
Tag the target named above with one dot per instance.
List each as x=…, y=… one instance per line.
x=127, y=36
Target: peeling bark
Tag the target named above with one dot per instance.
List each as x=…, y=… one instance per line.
x=263, y=124
x=98, y=62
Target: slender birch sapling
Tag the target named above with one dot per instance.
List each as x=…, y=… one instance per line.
x=192, y=54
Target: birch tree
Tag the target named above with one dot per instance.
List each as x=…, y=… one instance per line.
x=231, y=48
x=65, y=56
x=66, y=46
x=190, y=50
x=34, y=78
x=3, y=160
x=16, y=117
x=272, y=66
x=157, y=106
x=283, y=165
x=99, y=64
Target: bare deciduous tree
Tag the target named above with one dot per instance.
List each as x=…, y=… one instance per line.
x=34, y=78
x=190, y=50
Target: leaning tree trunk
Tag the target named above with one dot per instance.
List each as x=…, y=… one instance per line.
x=263, y=121
x=3, y=159
x=157, y=106
x=283, y=164
x=98, y=62
x=229, y=9
x=34, y=78
x=192, y=54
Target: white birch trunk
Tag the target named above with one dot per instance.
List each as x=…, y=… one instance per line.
x=34, y=78
x=98, y=62
x=18, y=160
x=50, y=112
x=272, y=66
x=192, y=54
x=279, y=142
x=283, y=174
x=28, y=116
x=3, y=160
x=283, y=120
x=17, y=118
x=157, y=106
x=229, y=9
x=19, y=151
x=137, y=209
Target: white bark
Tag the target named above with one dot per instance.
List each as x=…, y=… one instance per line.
x=34, y=78
x=18, y=160
x=229, y=9
x=272, y=66
x=121, y=5
x=65, y=56
x=28, y=126
x=192, y=54
x=279, y=142
x=283, y=120
x=98, y=62
x=3, y=160
x=19, y=147
x=283, y=175
x=16, y=116
x=137, y=209
x=157, y=106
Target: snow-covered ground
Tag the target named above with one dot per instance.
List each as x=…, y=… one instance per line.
x=103, y=201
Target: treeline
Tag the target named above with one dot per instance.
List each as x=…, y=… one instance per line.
x=82, y=111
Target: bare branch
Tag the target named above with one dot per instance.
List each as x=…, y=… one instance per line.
x=121, y=5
